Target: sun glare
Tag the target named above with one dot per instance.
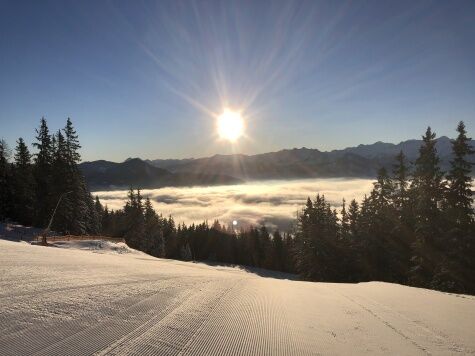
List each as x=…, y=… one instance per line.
x=230, y=125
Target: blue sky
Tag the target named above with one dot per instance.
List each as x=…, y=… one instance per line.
x=143, y=78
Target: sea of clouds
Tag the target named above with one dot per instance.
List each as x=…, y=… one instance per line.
x=273, y=203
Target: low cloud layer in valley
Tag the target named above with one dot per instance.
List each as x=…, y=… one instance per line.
x=273, y=203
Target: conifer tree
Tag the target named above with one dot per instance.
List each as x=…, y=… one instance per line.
x=380, y=219
x=265, y=257
x=81, y=207
x=73, y=157
x=316, y=242
x=152, y=230
x=427, y=193
x=459, y=191
x=383, y=189
x=106, y=222
x=80, y=202
x=353, y=214
x=61, y=184
x=92, y=217
x=22, y=155
x=403, y=224
x=279, y=258
x=134, y=219
x=99, y=214
x=6, y=196
x=44, y=199
x=427, y=186
x=455, y=268
x=77, y=214
x=401, y=188
x=23, y=184
x=345, y=222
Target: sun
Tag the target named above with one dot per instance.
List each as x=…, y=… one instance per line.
x=230, y=125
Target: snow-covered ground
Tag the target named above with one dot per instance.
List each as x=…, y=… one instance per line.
x=66, y=301
x=98, y=246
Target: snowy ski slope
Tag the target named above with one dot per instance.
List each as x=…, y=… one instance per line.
x=60, y=301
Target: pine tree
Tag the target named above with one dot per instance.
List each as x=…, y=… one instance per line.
x=365, y=218
x=134, y=220
x=383, y=189
x=92, y=217
x=403, y=232
x=456, y=267
x=99, y=214
x=426, y=190
x=106, y=222
x=76, y=214
x=44, y=199
x=22, y=155
x=367, y=243
x=317, y=252
x=459, y=191
x=345, y=222
x=73, y=156
x=170, y=238
x=23, y=184
x=279, y=257
x=427, y=186
x=82, y=207
x=61, y=179
x=401, y=185
x=353, y=217
x=6, y=196
x=152, y=230
x=265, y=257
x=44, y=145
x=352, y=242
x=389, y=243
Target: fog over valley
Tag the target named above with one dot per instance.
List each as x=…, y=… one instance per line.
x=273, y=203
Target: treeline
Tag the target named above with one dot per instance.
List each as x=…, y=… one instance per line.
x=32, y=184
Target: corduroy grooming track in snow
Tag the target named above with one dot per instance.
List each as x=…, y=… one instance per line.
x=57, y=301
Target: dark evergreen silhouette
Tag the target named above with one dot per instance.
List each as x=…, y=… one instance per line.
x=31, y=190
x=43, y=171
x=427, y=193
x=459, y=202
x=6, y=194
x=23, y=185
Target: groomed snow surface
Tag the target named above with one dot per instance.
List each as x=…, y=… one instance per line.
x=92, y=298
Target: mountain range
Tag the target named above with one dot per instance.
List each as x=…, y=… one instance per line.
x=105, y=175
x=360, y=161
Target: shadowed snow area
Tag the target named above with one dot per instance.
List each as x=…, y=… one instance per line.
x=63, y=301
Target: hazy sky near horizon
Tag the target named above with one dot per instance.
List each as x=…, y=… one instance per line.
x=144, y=78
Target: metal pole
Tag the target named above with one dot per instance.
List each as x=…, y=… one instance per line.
x=46, y=231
